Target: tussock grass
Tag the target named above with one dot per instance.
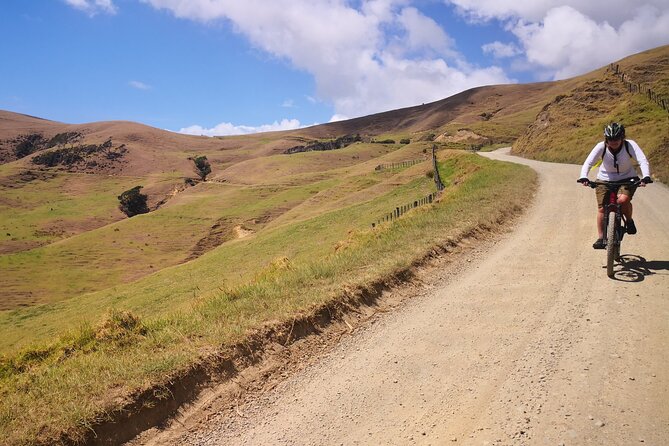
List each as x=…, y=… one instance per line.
x=60, y=387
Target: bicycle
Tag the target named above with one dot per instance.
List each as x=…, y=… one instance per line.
x=615, y=224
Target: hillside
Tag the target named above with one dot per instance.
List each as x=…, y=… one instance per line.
x=94, y=163
x=571, y=123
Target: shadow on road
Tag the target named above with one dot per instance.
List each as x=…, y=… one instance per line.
x=634, y=268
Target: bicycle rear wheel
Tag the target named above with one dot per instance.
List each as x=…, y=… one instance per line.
x=612, y=247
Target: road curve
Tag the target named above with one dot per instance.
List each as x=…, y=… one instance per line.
x=533, y=344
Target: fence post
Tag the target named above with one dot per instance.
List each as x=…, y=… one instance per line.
x=437, y=178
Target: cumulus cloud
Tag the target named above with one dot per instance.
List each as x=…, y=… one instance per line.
x=567, y=38
x=366, y=56
x=139, y=85
x=227, y=128
x=614, y=12
x=501, y=50
x=93, y=7
x=422, y=33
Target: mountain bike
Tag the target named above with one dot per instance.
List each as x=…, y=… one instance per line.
x=615, y=224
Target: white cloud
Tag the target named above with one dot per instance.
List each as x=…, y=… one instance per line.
x=337, y=117
x=566, y=38
x=423, y=33
x=501, y=50
x=380, y=55
x=227, y=128
x=139, y=85
x=93, y=7
x=614, y=12
x=288, y=103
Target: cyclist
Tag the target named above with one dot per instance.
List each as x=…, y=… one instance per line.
x=616, y=154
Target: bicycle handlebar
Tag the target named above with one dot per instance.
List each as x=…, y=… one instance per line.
x=633, y=182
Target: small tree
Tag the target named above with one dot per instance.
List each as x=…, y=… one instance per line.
x=133, y=202
x=202, y=166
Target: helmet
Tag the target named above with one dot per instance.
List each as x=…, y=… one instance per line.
x=614, y=131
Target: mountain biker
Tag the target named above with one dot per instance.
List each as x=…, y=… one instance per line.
x=616, y=154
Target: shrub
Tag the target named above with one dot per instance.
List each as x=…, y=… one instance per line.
x=28, y=144
x=405, y=141
x=202, y=166
x=133, y=202
x=63, y=138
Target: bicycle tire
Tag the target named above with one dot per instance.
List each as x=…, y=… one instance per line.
x=611, y=244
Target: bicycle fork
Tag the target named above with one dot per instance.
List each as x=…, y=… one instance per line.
x=614, y=206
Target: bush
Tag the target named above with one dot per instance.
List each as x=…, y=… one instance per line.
x=384, y=141
x=202, y=166
x=28, y=144
x=405, y=141
x=63, y=138
x=133, y=202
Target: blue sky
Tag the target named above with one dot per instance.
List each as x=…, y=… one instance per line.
x=231, y=66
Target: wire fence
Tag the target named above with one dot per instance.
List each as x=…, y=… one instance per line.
x=400, y=165
x=636, y=87
x=401, y=210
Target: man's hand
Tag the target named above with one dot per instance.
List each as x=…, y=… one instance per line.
x=583, y=181
x=645, y=180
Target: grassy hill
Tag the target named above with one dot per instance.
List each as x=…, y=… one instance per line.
x=571, y=123
x=96, y=307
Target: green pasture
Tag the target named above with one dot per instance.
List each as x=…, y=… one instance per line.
x=166, y=232
x=45, y=211
x=132, y=248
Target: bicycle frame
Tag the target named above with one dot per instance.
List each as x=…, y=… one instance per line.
x=619, y=221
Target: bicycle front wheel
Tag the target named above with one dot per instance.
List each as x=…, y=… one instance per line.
x=611, y=243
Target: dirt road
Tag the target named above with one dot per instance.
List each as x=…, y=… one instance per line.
x=532, y=344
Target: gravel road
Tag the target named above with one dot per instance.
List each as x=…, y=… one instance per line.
x=531, y=344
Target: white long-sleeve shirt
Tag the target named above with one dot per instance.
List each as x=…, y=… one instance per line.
x=625, y=169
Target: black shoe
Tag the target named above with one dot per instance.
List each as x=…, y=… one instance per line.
x=631, y=228
x=599, y=244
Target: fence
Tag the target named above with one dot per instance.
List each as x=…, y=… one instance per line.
x=399, y=165
x=635, y=87
x=401, y=210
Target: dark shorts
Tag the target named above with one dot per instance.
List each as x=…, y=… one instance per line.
x=602, y=195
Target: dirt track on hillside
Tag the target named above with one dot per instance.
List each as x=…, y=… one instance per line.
x=530, y=344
